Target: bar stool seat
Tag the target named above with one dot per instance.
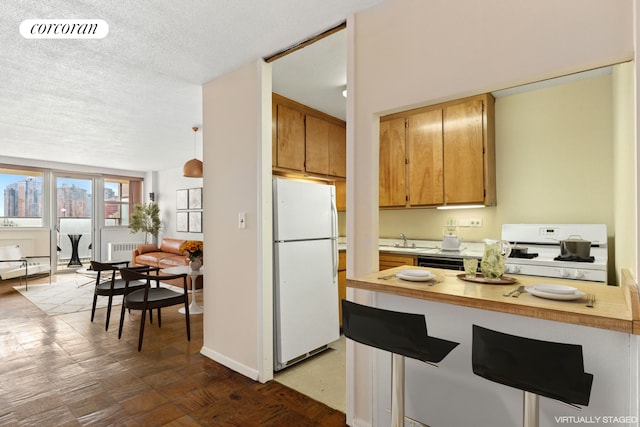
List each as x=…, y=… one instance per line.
x=538, y=368
x=402, y=334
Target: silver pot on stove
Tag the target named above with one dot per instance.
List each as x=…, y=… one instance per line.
x=575, y=247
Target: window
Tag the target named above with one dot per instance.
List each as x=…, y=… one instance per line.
x=120, y=195
x=21, y=191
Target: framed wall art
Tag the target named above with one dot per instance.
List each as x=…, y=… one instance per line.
x=182, y=221
x=195, y=222
x=195, y=198
x=182, y=199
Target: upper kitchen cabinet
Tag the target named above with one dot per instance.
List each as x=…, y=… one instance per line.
x=308, y=141
x=439, y=155
x=469, y=152
x=424, y=154
x=289, y=140
x=326, y=147
x=393, y=181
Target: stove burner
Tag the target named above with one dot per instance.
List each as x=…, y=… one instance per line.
x=574, y=258
x=521, y=255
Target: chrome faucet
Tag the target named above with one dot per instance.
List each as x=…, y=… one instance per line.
x=404, y=239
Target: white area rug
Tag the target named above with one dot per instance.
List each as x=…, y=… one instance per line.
x=64, y=297
x=69, y=297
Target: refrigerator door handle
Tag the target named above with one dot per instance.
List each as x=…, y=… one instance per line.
x=334, y=236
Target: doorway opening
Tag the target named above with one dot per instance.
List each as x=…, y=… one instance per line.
x=314, y=74
x=73, y=222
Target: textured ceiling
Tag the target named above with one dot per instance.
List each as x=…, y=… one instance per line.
x=128, y=101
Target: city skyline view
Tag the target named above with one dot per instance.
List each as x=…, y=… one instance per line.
x=7, y=180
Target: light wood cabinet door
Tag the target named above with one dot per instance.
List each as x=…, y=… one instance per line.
x=274, y=134
x=341, y=195
x=337, y=150
x=424, y=154
x=291, y=135
x=392, y=180
x=464, y=153
x=395, y=260
x=317, y=141
x=326, y=148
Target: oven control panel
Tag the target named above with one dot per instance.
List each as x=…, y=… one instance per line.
x=549, y=232
x=557, y=272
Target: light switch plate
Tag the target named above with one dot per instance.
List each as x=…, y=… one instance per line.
x=242, y=220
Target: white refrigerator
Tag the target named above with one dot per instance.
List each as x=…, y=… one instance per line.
x=305, y=269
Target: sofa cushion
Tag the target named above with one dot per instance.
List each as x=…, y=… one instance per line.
x=150, y=258
x=172, y=246
x=173, y=261
x=147, y=248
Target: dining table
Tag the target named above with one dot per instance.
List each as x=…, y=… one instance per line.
x=194, y=307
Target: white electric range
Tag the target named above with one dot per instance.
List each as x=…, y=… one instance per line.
x=543, y=251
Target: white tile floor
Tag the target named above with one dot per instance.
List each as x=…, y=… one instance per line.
x=321, y=377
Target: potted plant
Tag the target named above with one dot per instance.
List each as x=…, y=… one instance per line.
x=146, y=217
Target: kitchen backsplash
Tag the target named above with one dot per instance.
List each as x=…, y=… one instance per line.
x=427, y=224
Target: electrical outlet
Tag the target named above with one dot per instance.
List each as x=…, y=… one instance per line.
x=476, y=222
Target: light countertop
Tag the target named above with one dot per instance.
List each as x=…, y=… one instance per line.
x=424, y=248
x=617, y=308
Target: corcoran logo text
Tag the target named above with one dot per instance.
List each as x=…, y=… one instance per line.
x=64, y=29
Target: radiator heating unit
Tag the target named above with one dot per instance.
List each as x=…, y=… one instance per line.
x=121, y=251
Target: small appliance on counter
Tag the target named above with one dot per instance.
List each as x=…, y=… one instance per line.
x=450, y=241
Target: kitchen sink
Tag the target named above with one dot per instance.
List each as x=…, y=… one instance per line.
x=408, y=249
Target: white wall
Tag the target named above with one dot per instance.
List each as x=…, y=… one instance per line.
x=237, y=175
x=624, y=185
x=165, y=186
x=415, y=52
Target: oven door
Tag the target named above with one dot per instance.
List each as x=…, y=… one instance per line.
x=449, y=263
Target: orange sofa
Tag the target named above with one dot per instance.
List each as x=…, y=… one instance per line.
x=165, y=256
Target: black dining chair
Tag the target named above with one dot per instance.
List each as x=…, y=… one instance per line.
x=109, y=285
x=538, y=368
x=401, y=334
x=149, y=297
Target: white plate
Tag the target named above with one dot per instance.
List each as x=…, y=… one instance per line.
x=417, y=273
x=548, y=295
x=555, y=289
x=423, y=278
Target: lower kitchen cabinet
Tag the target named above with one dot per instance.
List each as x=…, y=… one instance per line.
x=388, y=260
x=342, y=281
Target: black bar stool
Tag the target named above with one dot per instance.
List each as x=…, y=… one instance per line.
x=538, y=368
x=402, y=334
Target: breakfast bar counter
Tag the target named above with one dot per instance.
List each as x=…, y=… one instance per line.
x=616, y=308
x=609, y=333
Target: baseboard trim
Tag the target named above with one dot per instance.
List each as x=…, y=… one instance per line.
x=230, y=363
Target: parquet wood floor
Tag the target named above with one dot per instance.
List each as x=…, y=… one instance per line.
x=67, y=371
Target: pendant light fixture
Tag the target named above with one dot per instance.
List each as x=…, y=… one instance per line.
x=193, y=168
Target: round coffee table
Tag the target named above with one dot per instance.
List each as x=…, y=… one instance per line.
x=194, y=308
